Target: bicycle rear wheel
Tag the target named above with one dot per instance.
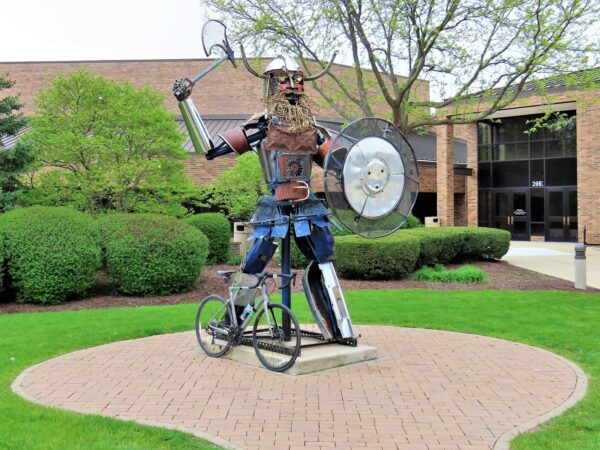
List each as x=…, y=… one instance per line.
x=268, y=339
x=213, y=326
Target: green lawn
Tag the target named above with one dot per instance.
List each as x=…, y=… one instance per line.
x=566, y=323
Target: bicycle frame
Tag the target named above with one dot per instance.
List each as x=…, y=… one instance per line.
x=264, y=301
x=239, y=329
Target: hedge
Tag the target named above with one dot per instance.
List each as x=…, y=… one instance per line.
x=216, y=228
x=1, y=264
x=149, y=254
x=299, y=261
x=384, y=258
x=297, y=258
x=356, y=257
x=437, y=246
x=52, y=253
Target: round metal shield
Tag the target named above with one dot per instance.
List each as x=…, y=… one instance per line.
x=371, y=177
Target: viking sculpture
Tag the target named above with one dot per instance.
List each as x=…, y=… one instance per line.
x=288, y=141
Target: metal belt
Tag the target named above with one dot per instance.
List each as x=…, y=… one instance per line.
x=294, y=190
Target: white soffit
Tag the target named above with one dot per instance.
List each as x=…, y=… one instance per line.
x=529, y=110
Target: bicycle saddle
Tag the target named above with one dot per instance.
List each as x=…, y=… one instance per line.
x=225, y=272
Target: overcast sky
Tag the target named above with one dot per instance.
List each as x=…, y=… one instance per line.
x=66, y=30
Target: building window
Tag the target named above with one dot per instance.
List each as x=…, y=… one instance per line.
x=520, y=172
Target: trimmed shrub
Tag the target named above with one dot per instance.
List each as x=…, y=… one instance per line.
x=390, y=257
x=486, y=243
x=298, y=260
x=436, y=245
x=1, y=264
x=442, y=245
x=216, y=228
x=149, y=254
x=52, y=253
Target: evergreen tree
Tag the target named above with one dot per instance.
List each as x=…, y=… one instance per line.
x=14, y=161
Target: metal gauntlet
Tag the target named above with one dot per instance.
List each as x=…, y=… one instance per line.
x=182, y=89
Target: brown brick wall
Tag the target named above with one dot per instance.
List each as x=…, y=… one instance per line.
x=445, y=174
x=588, y=170
x=469, y=134
x=460, y=210
x=427, y=176
x=588, y=156
x=202, y=172
x=226, y=90
x=428, y=179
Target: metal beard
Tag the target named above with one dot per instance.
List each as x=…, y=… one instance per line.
x=298, y=116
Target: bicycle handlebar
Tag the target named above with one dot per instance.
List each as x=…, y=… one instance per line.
x=264, y=275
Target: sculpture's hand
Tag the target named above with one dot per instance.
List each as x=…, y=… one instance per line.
x=182, y=88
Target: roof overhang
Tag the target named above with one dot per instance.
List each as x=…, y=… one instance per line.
x=530, y=110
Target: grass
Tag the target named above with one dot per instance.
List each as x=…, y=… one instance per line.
x=566, y=323
x=464, y=274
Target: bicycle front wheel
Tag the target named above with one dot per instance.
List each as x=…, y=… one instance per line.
x=213, y=326
x=272, y=350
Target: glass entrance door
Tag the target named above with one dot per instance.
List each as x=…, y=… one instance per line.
x=561, y=222
x=511, y=209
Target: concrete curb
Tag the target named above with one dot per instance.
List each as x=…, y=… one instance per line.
x=581, y=385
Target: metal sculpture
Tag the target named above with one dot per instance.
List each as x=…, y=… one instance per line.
x=371, y=181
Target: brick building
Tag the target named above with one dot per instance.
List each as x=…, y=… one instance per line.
x=541, y=185
x=225, y=99
x=488, y=174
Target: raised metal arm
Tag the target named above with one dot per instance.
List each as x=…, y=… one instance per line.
x=210, y=68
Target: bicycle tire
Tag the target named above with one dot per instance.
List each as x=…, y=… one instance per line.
x=273, y=360
x=215, y=309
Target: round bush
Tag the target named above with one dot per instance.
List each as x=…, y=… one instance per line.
x=216, y=228
x=389, y=257
x=52, y=254
x=149, y=254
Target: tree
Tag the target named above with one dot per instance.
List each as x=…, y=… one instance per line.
x=13, y=161
x=238, y=188
x=484, y=50
x=113, y=147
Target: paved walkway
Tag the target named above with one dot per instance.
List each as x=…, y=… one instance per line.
x=428, y=390
x=555, y=259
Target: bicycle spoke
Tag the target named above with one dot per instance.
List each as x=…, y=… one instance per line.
x=213, y=326
x=273, y=351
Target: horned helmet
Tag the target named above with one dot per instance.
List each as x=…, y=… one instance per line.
x=284, y=74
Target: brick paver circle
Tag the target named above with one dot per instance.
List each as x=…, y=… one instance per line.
x=427, y=390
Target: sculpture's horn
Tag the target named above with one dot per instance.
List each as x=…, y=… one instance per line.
x=247, y=65
x=322, y=72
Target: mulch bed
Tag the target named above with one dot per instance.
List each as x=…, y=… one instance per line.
x=501, y=276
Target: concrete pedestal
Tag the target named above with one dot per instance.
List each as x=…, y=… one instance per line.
x=311, y=359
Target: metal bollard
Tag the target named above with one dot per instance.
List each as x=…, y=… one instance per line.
x=580, y=269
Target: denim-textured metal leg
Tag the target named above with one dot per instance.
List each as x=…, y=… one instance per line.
x=286, y=294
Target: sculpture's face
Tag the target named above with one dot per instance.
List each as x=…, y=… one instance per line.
x=286, y=75
x=293, y=81
x=290, y=83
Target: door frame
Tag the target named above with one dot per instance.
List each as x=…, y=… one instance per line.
x=566, y=218
x=511, y=217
